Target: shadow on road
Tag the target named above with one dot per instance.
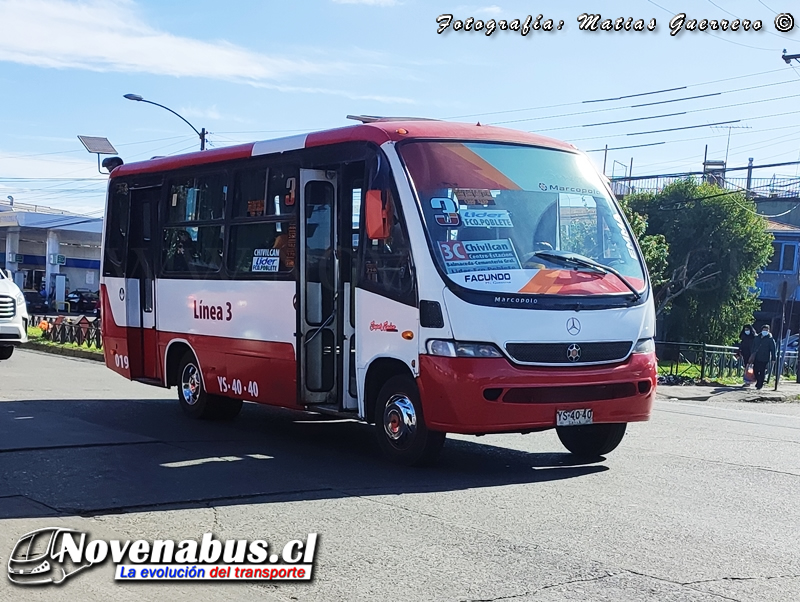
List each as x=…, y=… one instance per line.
x=107, y=456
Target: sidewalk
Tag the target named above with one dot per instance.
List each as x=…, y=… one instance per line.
x=788, y=391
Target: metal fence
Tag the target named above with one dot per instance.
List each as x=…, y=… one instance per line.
x=760, y=188
x=710, y=362
x=82, y=331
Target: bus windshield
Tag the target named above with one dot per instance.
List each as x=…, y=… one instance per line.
x=521, y=219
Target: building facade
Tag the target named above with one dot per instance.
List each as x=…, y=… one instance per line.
x=38, y=243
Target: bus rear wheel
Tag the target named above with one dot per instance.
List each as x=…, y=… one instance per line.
x=195, y=400
x=591, y=440
x=400, y=426
x=5, y=352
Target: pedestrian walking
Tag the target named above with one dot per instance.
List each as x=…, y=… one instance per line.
x=745, y=348
x=763, y=351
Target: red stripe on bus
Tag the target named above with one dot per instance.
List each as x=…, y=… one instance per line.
x=228, y=153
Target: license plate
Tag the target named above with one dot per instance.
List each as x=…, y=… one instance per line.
x=573, y=417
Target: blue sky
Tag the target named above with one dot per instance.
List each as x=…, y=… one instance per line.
x=253, y=69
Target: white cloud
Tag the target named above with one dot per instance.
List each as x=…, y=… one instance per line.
x=476, y=10
x=208, y=113
x=369, y=2
x=343, y=93
x=111, y=36
x=489, y=10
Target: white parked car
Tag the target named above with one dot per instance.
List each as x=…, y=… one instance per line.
x=13, y=316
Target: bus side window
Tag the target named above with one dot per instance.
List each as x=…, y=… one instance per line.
x=386, y=264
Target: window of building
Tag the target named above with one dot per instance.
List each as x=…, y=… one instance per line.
x=784, y=257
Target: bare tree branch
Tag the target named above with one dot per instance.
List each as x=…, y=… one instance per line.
x=680, y=282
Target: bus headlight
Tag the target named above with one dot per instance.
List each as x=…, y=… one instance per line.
x=644, y=346
x=20, y=299
x=458, y=349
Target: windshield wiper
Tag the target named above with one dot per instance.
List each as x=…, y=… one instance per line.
x=583, y=261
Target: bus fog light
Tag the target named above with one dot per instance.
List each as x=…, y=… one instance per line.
x=644, y=346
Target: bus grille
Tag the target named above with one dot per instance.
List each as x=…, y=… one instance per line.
x=8, y=307
x=567, y=354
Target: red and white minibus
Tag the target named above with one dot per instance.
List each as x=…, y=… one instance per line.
x=425, y=276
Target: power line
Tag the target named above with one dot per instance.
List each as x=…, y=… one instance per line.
x=789, y=81
x=686, y=127
x=637, y=133
x=737, y=17
x=601, y=150
x=765, y=6
x=590, y=125
x=663, y=102
x=634, y=95
x=707, y=83
x=715, y=36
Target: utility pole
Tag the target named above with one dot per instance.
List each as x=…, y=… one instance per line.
x=784, y=291
x=748, y=194
x=790, y=57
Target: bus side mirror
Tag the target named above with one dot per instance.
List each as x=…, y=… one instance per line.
x=377, y=216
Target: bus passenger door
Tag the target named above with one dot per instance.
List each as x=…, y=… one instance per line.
x=140, y=284
x=319, y=343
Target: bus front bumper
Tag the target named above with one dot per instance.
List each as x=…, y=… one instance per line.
x=476, y=396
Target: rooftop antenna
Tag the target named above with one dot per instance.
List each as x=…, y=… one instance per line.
x=99, y=146
x=729, y=128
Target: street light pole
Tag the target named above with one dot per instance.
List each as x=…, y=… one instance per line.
x=202, y=133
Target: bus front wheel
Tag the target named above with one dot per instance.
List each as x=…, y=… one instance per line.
x=5, y=352
x=195, y=400
x=591, y=440
x=400, y=426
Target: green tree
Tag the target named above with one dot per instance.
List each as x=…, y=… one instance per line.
x=717, y=243
x=654, y=246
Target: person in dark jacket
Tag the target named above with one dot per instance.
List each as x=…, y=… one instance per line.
x=745, y=346
x=764, y=350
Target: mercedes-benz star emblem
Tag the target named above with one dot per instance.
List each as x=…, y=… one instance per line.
x=573, y=326
x=573, y=353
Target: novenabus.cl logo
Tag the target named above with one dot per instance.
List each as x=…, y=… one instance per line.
x=52, y=554
x=39, y=558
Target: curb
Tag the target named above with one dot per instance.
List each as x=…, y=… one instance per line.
x=761, y=398
x=52, y=349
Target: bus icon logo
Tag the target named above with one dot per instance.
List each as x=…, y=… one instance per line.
x=573, y=353
x=38, y=558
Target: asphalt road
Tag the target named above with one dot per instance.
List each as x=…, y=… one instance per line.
x=701, y=503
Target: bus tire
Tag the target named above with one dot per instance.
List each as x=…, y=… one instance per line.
x=591, y=440
x=400, y=426
x=5, y=352
x=195, y=401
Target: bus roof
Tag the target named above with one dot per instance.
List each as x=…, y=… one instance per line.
x=377, y=132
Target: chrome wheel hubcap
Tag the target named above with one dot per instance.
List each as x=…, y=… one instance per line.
x=399, y=418
x=191, y=384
